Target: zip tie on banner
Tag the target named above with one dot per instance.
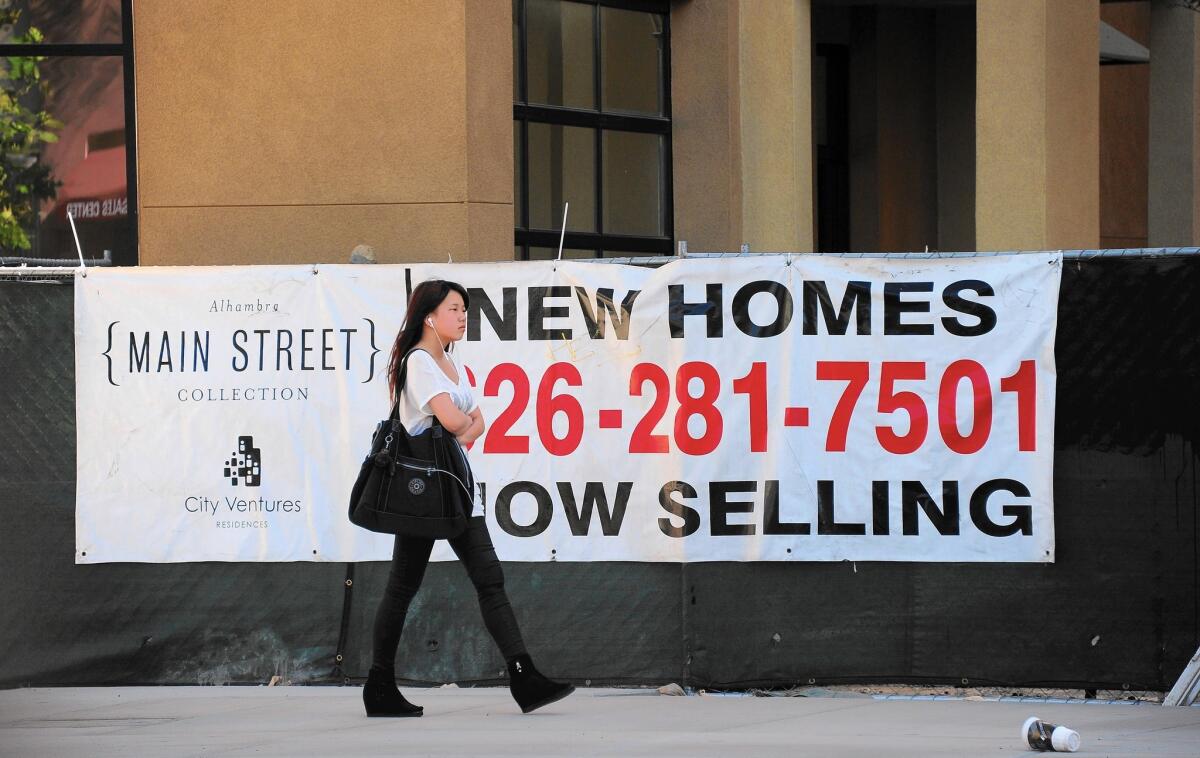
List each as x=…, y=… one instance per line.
x=78, y=247
x=314, y=269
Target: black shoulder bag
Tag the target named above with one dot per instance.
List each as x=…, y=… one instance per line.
x=418, y=485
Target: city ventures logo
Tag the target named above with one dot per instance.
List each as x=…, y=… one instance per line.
x=243, y=468
x=245, y=465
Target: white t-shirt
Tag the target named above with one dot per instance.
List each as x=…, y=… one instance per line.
x=424, y=381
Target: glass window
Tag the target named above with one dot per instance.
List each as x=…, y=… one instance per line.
x=73, y=98
x=560, y=40
x=562, y=169
x=631, y=61
x=633, y=170
x=81, y=21
x=592, y=125
x=88, y=161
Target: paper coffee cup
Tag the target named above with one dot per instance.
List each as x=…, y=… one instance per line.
x=1042, y=735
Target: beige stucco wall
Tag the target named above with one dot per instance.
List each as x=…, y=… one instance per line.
x=1037, y=133
x=290, y=132
x=706, y=160
x=775, y=69
x=742, y=124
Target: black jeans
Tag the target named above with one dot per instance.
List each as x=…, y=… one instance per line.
x=410, y=556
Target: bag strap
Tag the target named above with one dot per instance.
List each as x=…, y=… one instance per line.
x=400, y=382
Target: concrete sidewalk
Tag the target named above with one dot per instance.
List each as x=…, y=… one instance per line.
x=329, y=721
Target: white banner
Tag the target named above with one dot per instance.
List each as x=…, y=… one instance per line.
x=751, y=408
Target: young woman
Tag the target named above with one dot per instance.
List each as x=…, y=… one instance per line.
x=436, y=387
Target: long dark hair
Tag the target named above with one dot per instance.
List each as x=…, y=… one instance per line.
x=425, y=299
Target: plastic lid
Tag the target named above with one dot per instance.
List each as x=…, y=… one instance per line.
x=1064, y=740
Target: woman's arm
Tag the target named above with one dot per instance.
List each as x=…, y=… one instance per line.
x=475, y=431
x=455, y=421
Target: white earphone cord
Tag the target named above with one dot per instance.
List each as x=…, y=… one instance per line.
x=435, y=334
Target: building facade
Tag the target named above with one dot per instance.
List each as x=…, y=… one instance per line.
x=225, y=132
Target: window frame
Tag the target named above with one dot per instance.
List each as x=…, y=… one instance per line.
x=598, y=120
x=123, y=50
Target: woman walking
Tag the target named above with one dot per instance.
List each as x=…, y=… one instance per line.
x=436, y=387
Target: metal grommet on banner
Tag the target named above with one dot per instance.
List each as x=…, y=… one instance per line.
x=338, y=657
x=349, y=582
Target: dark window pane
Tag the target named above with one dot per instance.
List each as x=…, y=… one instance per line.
x=633, y=183
x=517, y=253
x=560, y=39
x=562, y=169
x=631, y=61
x=61, y=22
x=88, y=160
x=518, y=169
x=550, y=253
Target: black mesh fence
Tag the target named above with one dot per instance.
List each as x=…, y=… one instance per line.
x=1118, y=609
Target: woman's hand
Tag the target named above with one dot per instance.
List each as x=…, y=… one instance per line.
x=474, y=431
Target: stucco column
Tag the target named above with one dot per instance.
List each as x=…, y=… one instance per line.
x=742, y=124
x=1037, y=124
x=1174, y=171
x=291, y=132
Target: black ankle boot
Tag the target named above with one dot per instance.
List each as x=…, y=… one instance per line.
x=381, y=697
x=530, y=689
